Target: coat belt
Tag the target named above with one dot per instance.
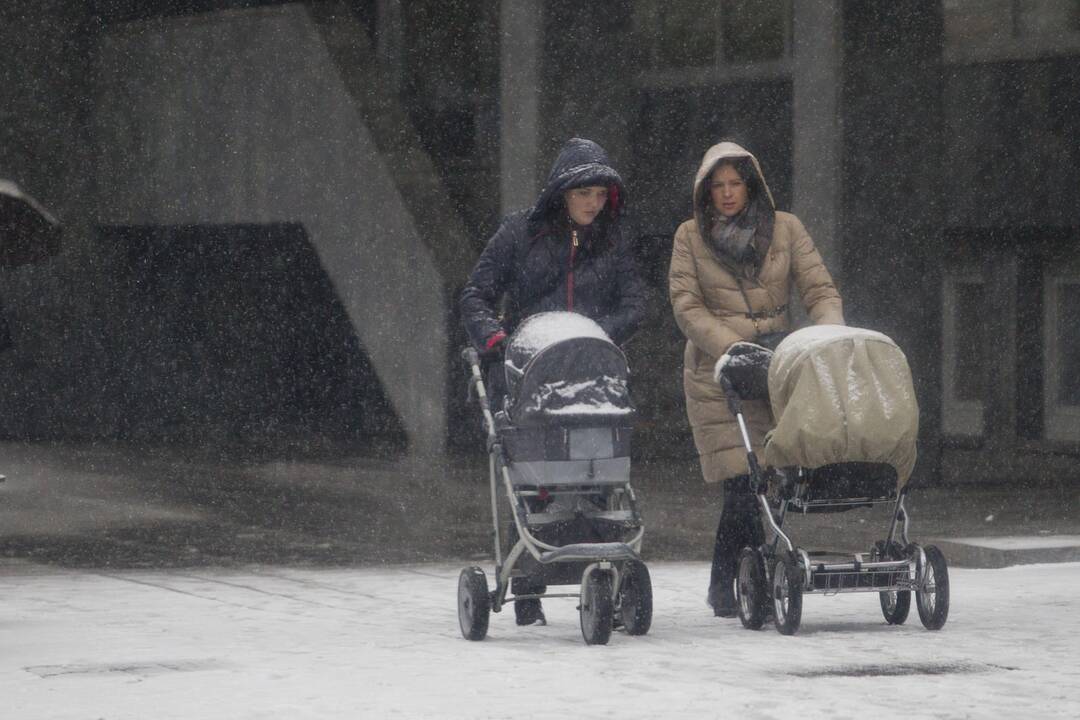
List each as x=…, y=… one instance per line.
x=766, y=314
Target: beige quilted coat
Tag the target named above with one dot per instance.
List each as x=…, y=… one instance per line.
x=713, y=313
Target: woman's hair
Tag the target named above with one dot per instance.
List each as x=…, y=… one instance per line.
x=746, y=171
x=557, y=204
x=603, y=232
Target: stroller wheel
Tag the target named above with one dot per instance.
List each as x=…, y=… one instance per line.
x=597, y=608
x=751, y=589
x=933, y=599
x=895, y=604
x=787, y=591
x=474, y=603
x=635, y=598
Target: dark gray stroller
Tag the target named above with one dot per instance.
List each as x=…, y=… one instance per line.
x=845, y=436
x=559, y=451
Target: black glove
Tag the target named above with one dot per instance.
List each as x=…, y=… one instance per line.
x=746, y=365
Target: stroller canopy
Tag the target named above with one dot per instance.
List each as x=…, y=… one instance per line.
x=563, y=366
x=838, y=395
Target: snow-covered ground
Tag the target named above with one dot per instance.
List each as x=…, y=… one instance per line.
x=276, y=642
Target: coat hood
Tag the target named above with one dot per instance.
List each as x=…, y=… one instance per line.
x=713, y=157
x=580, y=163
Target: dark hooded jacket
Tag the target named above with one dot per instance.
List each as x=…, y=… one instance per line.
x=531, y=260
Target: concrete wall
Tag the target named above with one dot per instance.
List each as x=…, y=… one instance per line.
x=45, y=148
x=1012, y=150
x=893, y=184
x=241, y=117
x=42, y=101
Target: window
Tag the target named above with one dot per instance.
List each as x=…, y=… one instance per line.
x=1047, y=17
x=754, y=30
x=683, y=34
x=1011, y=339
x=1061, y=333
x=963, y=366
x=688, y=41
x=989, y=30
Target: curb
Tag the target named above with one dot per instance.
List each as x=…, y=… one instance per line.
x=999, y=552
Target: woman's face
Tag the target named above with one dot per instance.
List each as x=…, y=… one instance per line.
x=729, y=192
x=585, y=203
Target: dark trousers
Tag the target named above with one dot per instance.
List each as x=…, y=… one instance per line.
x=739, y=527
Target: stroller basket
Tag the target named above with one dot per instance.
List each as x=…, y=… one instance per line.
x=853, y=577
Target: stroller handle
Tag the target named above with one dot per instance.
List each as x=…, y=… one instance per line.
x=734, y=403
x=734, y=400
x=476, y=384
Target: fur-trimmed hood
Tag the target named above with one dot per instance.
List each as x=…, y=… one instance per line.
x=713, y=157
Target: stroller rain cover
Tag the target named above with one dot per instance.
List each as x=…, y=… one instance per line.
x=563, y=365
x=842, y=394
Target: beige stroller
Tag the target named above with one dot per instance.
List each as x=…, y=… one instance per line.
x=845, y=437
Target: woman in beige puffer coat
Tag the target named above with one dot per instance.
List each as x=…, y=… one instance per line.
x=733, y=267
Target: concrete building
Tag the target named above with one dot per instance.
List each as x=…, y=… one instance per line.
x=271, y=206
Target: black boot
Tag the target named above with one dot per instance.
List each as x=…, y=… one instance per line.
x=528, y=611
x=739, y=527
x=721, y=598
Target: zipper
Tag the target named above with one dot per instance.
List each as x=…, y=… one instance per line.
x=570, y=271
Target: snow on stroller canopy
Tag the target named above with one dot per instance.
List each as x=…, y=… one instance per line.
x=805, y=339
x=561, y=365
x=842, y=394
x=547, y=328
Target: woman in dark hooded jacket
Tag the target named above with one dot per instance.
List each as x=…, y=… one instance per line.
x=564, y=253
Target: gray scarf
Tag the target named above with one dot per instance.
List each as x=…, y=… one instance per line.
x=734, y=236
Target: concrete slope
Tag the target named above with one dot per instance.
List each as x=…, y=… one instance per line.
x=242, y=117
x=415, y=175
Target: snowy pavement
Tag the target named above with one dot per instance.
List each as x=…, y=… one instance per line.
x=289, y=642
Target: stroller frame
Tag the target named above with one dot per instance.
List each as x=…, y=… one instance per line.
x=615, y=587
x=779, y=573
